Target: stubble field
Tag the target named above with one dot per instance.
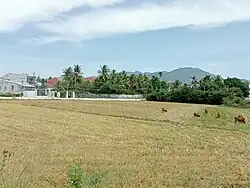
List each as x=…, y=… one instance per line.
x=123, y=144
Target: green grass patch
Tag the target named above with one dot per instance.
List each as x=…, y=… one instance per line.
x=225, y=122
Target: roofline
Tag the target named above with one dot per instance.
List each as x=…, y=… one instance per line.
x=2, y=79
x=26, y=74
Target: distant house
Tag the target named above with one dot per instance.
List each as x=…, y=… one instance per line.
x=50, y=86
x=17, y=83
x=51, y=83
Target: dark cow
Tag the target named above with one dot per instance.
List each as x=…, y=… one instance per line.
x=240, y=119
x=164, y=110
x=206, y=111
x=197, y=115
x=218, y=115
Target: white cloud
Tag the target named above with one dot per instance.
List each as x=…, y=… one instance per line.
x=150, y=16
x=15, y=13
x=40, y=41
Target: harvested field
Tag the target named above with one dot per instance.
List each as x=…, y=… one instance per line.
x=125, y=144
x=149, y=111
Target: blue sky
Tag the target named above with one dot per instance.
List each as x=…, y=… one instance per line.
x=146, y=35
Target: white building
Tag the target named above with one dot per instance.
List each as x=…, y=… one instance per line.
x=17, y=84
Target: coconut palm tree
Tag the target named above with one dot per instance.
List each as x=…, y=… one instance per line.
x=177, y=84
x=104, y=73
x=160, y=74
x=77, y=72
x=194, y=81
x=113, y=71
x=77, y=69
x=68, y=72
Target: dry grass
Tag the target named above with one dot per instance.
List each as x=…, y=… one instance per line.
x=150, y=111
x=129, y=144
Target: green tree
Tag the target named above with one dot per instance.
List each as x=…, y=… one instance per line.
x=237, y=83
x=194, y=81
x=176, y=84
x=160, y=74
x=208, y=90
x=104, y=73
x=68, y=72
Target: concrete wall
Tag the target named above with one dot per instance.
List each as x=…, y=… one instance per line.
x=30, y=94
x=110, y=96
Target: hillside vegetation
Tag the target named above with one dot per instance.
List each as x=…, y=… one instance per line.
x=207, y=90
x=122, y=144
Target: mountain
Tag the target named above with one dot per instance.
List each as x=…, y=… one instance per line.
x=182, y=74
x=245, y=80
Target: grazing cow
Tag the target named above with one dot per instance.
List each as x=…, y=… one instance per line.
x=164, y=110
x=218, y=115
x=240, y=119
x=206, y=111
x=197, y=115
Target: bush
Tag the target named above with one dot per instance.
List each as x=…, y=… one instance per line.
x=9, y=95
x=77, y=179
x=161, y=96
x=234, y=101
x=188, y=95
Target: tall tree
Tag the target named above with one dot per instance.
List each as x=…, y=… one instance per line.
x=194, y=81
x=77, y=74
x=176, y=84
x=77, y=69
x=68, y=72
x=206, y=83
x=38, y=79
x=160, y=74
x=104, y=72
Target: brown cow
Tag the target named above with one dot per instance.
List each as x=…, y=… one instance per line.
x=164, y=110
x=218, y=115
x=197, y=115
x=206, y=111
x=240, y=119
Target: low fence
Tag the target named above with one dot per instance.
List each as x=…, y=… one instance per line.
x=79, y=96
x=108, y=96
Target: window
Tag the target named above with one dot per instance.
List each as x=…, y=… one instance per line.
x=28, y=88
x=5, y=88
x=12, y=88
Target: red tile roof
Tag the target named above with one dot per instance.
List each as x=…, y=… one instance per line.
x=52, y=82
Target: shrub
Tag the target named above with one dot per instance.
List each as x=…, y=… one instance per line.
x=188, y=95
x=77, y=178
x=234, y=101
x=9, y=95
x=92, y=180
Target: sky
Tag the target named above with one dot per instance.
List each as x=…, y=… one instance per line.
x=45, y=36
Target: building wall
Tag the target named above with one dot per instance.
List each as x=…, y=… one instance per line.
x=9, y=87
x=30, y=94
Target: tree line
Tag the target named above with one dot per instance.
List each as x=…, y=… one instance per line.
x=208, y=90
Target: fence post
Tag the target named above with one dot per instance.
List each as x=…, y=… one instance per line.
x=67, y=94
